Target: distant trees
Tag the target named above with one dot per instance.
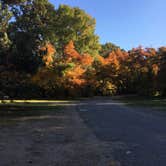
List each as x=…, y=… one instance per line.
x=107, y=48
x=162, y=71
x=141, y=74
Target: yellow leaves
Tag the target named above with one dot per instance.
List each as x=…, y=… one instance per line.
x=109, y=88
x=41, y=76
x=116, y=57
x=155, y=69
x=100, y=59
x=112, y=59
x=75, y=75
x=151, y=52
x=144, y=69
x=77, y=81
x=49, y=52
x=70, y=51
x=86, y=60
x=75, y=72
x=121, y=55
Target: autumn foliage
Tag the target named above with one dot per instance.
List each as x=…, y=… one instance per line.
x=135, y=71
x=70, y=52
x=48, y=52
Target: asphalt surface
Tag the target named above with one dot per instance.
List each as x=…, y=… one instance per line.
x=137, y=135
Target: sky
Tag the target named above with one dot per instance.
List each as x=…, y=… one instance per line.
x=126, y=23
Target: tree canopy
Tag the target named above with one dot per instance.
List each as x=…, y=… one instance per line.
x=74, y=24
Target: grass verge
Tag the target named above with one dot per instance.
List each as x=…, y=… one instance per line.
x=10, y=110
x=153, y=102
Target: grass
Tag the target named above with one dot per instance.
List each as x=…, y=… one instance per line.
x=15, y=109
x=35, y=102
x=27, y=106
x=153, y=102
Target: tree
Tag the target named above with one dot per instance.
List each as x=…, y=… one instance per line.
x=70, y=52
x=74, y=24
x=13, y=2
x=162, y=71
x=5, y=42
x=107, y=48
x=48, y=52
x=35, y=17
x=31, y=30
x=143, y=70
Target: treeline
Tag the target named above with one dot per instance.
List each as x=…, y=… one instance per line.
x=50, y=53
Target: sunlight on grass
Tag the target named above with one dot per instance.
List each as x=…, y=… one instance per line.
x=19, y=110
x=35, y=101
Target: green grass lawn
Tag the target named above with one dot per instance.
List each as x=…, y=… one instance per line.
x=153, y=102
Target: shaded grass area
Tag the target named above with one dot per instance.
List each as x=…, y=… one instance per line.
x=13, y=111
x=153, y=102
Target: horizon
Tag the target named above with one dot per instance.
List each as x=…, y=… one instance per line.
x=126, y=24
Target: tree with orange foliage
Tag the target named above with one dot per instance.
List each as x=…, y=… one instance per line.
x=99, y=59
x=86, y=60
x=143, y=70
x=113, y=59
x=70, y=52
x=75, y=75
x=48, y=52
x=107, y=48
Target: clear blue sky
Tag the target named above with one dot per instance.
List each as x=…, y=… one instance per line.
x=127, y=23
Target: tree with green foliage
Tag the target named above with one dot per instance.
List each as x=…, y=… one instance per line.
x=107, y=48
x=5, y=42
x=74, y=24
x=31, y=29
x=35, y=17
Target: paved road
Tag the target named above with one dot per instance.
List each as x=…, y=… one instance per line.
x=138, y=136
